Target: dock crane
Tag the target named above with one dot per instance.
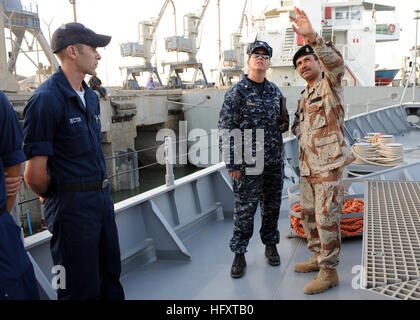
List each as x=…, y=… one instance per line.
x=186, y=44
x=22, y=22
x=143, y=49
x=233, y=59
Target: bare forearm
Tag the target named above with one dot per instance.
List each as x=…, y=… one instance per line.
x=41, y=187
x=11, y=172
x=311, y=36
x=36, y=176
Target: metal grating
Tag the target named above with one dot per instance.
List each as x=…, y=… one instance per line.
x=391, y=244
x=409, y=290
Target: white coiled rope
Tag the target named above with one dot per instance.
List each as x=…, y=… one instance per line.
x=380, y=150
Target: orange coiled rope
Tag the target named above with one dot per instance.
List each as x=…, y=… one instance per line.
x=349, y=226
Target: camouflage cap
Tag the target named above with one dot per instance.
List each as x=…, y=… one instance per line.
x=304, y=51
x=259, y=44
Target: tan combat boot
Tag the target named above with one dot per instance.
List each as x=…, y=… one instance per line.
x=325, y=279
x=308, y=266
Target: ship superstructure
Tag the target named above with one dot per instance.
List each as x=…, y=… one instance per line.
x=353, y=26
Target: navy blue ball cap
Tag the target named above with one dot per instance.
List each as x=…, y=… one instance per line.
x=72, y=33
x=304, y=51
x=259, y=44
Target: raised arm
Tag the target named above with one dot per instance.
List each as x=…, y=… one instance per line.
x=331, y=59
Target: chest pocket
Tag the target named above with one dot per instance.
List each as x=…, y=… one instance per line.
x=78, y=142
x=316, y=115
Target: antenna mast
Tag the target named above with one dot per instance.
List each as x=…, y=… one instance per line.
x=73, y=2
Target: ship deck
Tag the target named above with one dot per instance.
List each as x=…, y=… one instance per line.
x=174, y=239
x=206, y=276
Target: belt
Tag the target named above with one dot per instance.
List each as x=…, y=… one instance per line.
x=83, y=187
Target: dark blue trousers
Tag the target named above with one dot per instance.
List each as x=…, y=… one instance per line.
x=85, y=242
x=17, y=278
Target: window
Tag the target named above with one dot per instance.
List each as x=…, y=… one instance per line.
x=355, y=14
x=342, y=13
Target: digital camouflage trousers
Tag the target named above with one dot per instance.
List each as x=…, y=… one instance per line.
x=249, y=190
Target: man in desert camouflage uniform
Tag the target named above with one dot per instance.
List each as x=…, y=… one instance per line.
x=255, y=104
x=324, y=152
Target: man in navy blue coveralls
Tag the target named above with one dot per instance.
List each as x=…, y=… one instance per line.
x=255, y=103
x=66, y=168
x=17, y=278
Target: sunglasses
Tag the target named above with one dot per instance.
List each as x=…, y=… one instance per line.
x=257, y=54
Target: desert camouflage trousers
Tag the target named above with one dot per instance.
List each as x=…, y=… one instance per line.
x=321, y=198
x=265, y=189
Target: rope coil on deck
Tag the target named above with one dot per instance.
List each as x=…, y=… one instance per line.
x=349, y=226
x=378, y=149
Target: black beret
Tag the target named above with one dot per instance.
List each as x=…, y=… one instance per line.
x=71, y=33
x=304, y=51
x=259, y=44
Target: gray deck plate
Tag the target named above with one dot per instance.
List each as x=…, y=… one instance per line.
x=207, y=275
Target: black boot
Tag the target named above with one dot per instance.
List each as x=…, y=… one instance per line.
x=272, y=255
x=238, y=266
